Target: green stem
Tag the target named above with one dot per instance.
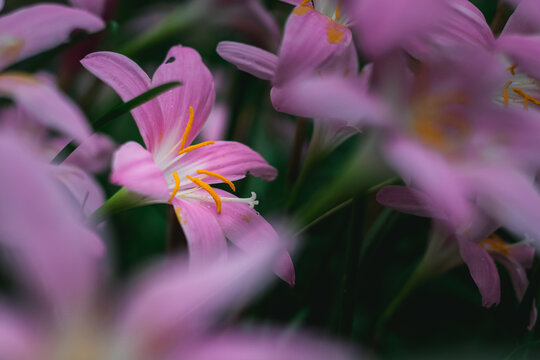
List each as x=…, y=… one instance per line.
x=122, y=200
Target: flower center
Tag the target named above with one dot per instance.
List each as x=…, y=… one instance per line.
x=494, y=243
x=522, y=86
x=335, y=30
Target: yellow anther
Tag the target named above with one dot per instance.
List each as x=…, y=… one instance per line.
x=494, y=243
x=217, y=176
x=193, y=147
x=338, y=11
x=176, y=185
x=188, y=128
x=505, y=92
x=526, y=98
x=304, y=2
x=512, y=69
x=209, y=190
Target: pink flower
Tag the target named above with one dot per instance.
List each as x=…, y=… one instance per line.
x=172, y=170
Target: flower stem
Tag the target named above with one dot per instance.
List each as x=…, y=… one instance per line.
x=122, y=200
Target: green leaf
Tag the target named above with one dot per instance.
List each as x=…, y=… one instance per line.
x=116, y=113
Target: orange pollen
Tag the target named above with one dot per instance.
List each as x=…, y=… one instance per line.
x=188, y=128
x=209, y=190
x=176, y=185
x=304, y=2
x=338, y=11
x=512, y=69
x=217, y=176
x=193, y=147
x=526, y=98
x=505, y=92
x=495, y=243
x=335, y=32
x=303, y=8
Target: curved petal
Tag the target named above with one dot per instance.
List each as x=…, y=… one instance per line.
x=42, y=233
x=206, y=241
x=483, y=271
x=248, y=230
x=311, y=40
x=328, y=98
x=197, y=91
x=33, y=29
x=251, y=59
x=94, y=6
x=227, y=158
x=409, y=201
x=46, y=104
x=129, y=81
x=134, y=167
x=523, y=50
x=517, y=273
x=524, y=19
x=523, y=254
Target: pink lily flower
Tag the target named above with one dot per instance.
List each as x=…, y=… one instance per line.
x=171, y=170
x=167, y=313
x=479, y=246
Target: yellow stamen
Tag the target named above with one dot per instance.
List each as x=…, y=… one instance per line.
x=338, y=11
x=193, y=147
x=218, y=176
x=209, y=190
x=188, y=128
x=512, y=69
x=335, y=32
x=304, y=2
x=495, y=243
x=176, y=185
x=526, y=98
x=505, y=92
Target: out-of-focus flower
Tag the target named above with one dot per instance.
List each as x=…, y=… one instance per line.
x=94, y=6
x=171, y=170
x=167, y=313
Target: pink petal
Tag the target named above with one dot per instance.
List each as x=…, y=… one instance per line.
x=34, y=29
x=129, y=81
x=217, y=123
x=517, y=273
x=205, y=238
x=524, y=19
x=185, y=65
x=227, y=158
x=523, y=50
x=251, y=59
x=20, y=338
x=42, y=232
x=45, y=104
x=134, y=167
x=94, y=6
x=483, y=271
x=264, y=344
x=171, y=303
x=409, y=201
x=292, y=2
x=523, y=254
x=94, y=154
x=311, y=40
x=328, y=98
x=248, y=230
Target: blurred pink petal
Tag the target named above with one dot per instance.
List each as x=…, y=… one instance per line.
x=54, y=23
x=93, y=6
x=410, y=201
x=523, y=50
x=45, y=104
x=94, y=154
x=20, y=338
x=134, y=167
x=216, y=124
x=251, y=59
x=524, y=19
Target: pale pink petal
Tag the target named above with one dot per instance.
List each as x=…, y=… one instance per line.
x=251, y=59
x=311, y=40
x=45, y=104
x=20, y=338
x=328, y=98
x=216, y=125
x=206, y=241
x=248, y=230
x=523, y=50
x=134, y=167
x=129, y=81
x=230, y=159
x=33, y=29
x=524, y=19
x=185, y=65
x=94, y=154
x=264, y=344
x=94, y=6
x=171, y=303
x=409, y=201
x=483, y=271
x=42, y=233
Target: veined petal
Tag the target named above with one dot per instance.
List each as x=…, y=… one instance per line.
x=523, y=50
x=310, y=41
x=409, y=201
x=251, y=59
x=328, y=98
x=94, y=6
x=205, y=238
x=33, y=29
x=524, y=19
x=248, y=230
x=483, y=271
x=230, y=159
x=45, y=104
x=134, y=167
x=129, y=81
x=197, y=91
